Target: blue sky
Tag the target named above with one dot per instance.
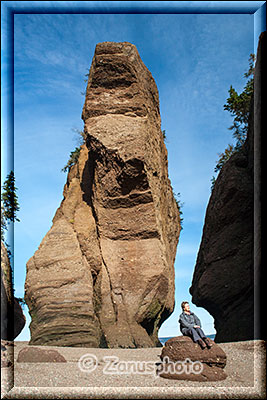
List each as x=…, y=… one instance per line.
x=194, y=58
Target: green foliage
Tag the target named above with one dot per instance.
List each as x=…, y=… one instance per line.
x=9, y=203
x=21, y=301
x=80, y=136
x=153, y=309
x=164, y=134
x=223, y=157
x=179, y=206
x=239, y=107
x=85, y=80
x=74, y=155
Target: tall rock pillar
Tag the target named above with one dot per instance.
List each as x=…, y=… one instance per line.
x=103, y=275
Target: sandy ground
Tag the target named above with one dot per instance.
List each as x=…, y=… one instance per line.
x=89, y=378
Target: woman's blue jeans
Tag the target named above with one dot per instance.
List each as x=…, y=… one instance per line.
x=194, y=333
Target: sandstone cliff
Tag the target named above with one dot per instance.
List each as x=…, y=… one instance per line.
x=12, y=317
x=223, y=277
x=223, y=280
x=103, y=275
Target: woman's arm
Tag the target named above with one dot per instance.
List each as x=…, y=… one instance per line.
x=197, y=321
x=184, y=322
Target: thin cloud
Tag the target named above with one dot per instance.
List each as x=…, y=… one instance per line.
x=193, y=60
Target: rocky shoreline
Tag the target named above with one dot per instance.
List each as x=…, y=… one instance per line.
x=245, y=371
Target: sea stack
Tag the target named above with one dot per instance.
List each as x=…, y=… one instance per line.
x=103, y=276
x=226, y=280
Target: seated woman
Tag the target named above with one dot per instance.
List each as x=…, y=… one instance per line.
x=190, y=325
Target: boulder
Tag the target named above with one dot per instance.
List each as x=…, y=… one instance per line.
x=183, y=359
x=103, y=275
x=7, y=353
x=34, y=354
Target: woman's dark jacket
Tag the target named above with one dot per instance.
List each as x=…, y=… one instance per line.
x=188, y=321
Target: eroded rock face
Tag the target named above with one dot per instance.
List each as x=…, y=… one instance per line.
x=12, y=317
x=223, y=277
x=229, y=257
x=104, y=273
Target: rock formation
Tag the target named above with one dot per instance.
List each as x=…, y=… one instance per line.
x=223, y=280
x=103, y=275
x=183, y=359
x=36, y=355
x=223, y=277
x=12, y=317
x=7, y=353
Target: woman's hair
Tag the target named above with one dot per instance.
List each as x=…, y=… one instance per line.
x=183, y=304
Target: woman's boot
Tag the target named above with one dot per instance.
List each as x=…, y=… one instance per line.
x=202, y=344
x=208, y=342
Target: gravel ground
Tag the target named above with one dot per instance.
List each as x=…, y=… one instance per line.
x=245, y=369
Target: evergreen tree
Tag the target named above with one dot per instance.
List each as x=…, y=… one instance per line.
x=10, y=205
x=239, y=107
x=74, y=156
